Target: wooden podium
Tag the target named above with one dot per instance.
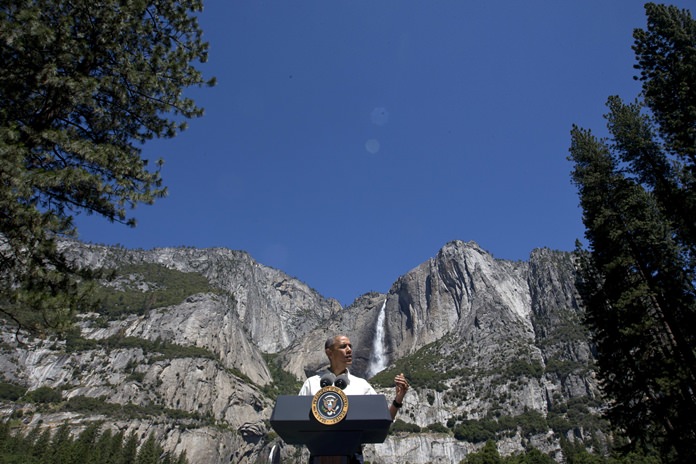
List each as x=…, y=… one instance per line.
x=366, y=421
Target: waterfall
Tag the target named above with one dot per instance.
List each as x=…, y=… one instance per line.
x=378, y=358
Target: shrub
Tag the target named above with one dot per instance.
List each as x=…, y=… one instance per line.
x=475, y=431
x=520, y=368
x=532, y=422
x=419, y=370
x=563, y=368
x=11, y=392
x=44, y=395
x=284, y=383
x=167, y=287
x=437, y=428
x=401, y=426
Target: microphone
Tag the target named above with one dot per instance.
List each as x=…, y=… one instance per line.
x=342, y=381
x=327, y=379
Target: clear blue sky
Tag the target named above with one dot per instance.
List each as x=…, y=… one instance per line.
x=347, y=141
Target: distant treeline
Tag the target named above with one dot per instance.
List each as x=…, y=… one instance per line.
x=92, y=446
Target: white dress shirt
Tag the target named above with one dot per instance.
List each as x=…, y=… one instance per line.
x=356, y=386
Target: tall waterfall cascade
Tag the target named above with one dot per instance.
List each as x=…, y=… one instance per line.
x=378, y=358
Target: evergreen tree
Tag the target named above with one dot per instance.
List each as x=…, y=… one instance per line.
x=102, y=448
x=8, y=442
x=666, y=59
x=117, y=455
x=534, y=456
x=90, y=447
x=487, y=455
x=83, y=84
x=149, y=452
x=30, y=438
x=42, y=447
x=637, y=196
x=4, y=433
x=84, y=447
x=130, y=449
x=62, y=446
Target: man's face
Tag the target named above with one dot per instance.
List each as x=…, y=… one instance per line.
x=340, y=354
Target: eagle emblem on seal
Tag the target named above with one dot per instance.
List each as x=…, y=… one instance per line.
x=330, y=405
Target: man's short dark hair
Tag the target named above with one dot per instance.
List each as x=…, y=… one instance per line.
x=329, y=342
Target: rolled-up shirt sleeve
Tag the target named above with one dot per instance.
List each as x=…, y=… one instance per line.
x=305, y=390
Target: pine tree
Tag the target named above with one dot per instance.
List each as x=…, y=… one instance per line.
x=129, y=451
x=487, y=455
x=10, y=443
x=84, y=447
x=116, y=450
x=534, y=456
x=62, y=445
x=83, y=84
x=149, y=452
x=666, y=59
x=638, y=277
x=102, y=448
x=42, y=448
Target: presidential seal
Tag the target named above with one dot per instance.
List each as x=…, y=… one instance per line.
x=330, y=405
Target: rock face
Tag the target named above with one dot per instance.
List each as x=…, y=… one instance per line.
x=483, y=341
x=273, y=308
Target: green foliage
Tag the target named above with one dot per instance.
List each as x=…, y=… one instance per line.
x=638, y=195
x=91, y=446
x=420, y=369
x=529, y=423
x=559, y=423
x=568, y=328
x=44, y=395
x=431, y=398
x=130, y=448
x=575, y=452
x=521, y=368
x=75, y=342
x=149, y=452
x=128, y=411
x=284, y=383
x=136, y=376
x=400, y=426
x=476, y=431
x=532, y=422
x=437, y=428
x=84, y=448
x=10, y=391
x=665, y=55
x=82, y=87
x=165, y=349
x=487, y=455
x=635, y=457
x=165, y=287
x=563, y=367
x=532, y=456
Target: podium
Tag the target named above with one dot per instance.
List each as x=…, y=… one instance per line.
x=367, y=421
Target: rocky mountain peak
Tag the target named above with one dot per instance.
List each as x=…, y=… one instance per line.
x=193, y=344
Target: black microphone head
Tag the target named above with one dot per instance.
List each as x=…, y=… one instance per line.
x=327, y=379
x=342, y=381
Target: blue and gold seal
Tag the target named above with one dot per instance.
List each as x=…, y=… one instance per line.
x=330, y=405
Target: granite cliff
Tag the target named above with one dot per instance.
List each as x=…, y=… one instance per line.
x=189, y=344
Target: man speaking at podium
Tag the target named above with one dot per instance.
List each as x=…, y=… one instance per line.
x=340, y=353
